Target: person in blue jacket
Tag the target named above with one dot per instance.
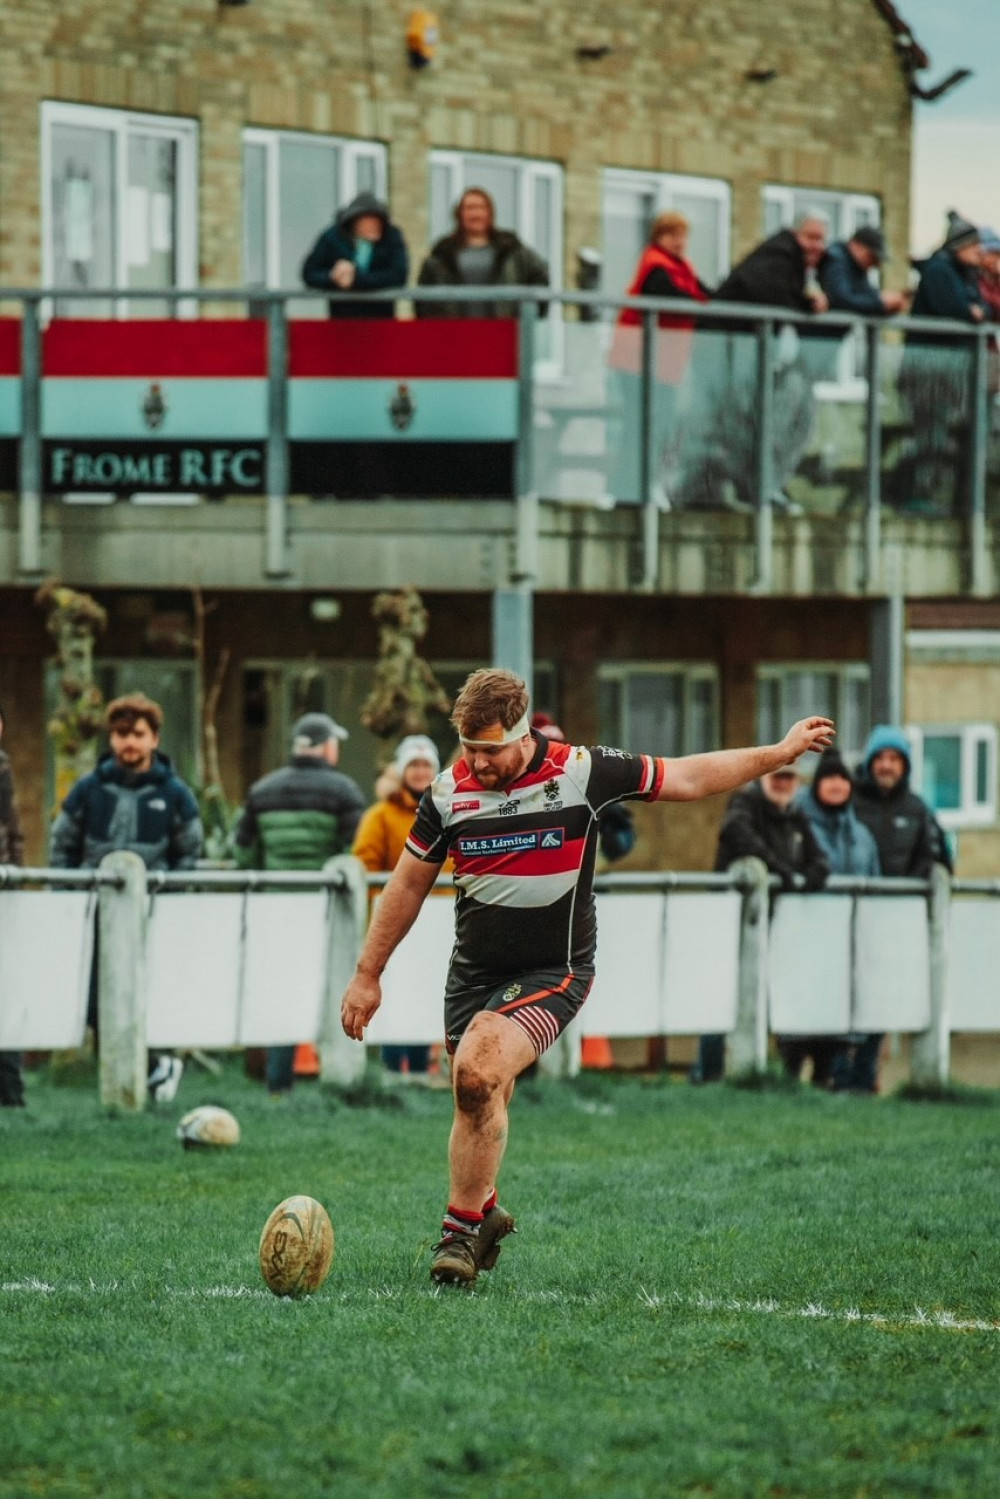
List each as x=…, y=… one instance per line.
x=844, y=275
x=850, y=848
x=361, y=251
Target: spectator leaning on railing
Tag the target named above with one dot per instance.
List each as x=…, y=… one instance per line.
x=362, y=251
x=477, y=253
x=844, y=270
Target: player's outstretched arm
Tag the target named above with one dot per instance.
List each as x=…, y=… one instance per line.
x=395, y=912
x=695, y=776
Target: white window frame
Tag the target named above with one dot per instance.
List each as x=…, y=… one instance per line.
x=661, y=187
x=971, y=813
x=184, y=133
x=460, y=167
x=690, y=672
x=856, y=209
x=844, y=671
x=351, y=151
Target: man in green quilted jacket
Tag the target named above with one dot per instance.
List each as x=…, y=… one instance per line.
x=297, y=818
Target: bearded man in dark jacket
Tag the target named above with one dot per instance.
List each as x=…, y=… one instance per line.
x=909, y=840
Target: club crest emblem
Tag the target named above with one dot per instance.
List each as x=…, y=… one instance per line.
x=154, y=407
x=511, y=992
x=402, y=408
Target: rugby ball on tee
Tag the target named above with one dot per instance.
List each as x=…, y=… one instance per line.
x=208, y=1127
x=296, y=1247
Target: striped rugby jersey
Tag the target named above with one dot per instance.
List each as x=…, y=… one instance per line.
x=524, y=857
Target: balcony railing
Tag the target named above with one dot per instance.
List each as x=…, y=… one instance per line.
x=754, y=411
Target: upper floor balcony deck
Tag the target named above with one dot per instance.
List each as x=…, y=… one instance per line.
x=554, y=448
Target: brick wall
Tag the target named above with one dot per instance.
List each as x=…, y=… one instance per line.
x=670, y=96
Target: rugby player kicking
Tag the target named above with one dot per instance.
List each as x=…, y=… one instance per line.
x=518, y=816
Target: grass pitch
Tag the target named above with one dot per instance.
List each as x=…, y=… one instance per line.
x=713, y=1292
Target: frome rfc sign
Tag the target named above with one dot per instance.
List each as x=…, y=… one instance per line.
x=178, y=467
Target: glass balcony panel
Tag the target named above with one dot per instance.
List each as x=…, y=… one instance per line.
x=926, y=425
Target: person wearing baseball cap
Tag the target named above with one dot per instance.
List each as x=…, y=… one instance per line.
x=297, y=818
x=381, y=838
x=844, y=275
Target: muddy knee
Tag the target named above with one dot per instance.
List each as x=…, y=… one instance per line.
x=473, y=1089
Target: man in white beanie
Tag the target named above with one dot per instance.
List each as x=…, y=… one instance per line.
x=381, y=838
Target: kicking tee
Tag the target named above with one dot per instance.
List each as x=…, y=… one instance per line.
x=524, y=857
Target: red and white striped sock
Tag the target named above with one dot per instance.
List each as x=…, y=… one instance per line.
x=460, y=1221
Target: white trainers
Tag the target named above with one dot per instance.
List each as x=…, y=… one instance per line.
x=165, y=1079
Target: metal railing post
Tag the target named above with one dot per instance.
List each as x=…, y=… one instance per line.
x=648, y=455
x=930, y=1052
x=513, y=607
x=29, y=558
x=747, y=1051
x=764, y=561
x=121, y=995
x=873, y=459
x=978, y=444
x=276, y=544
x=342, y=1060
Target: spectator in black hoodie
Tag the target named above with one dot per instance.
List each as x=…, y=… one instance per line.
x=361, y=251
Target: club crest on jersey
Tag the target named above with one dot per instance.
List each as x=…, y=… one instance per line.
x=511, y=992
x=553, y=800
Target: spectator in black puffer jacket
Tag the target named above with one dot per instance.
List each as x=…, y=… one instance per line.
x=477, y=253
x=135, y=801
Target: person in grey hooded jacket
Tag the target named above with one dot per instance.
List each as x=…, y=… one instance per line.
x=361, y=251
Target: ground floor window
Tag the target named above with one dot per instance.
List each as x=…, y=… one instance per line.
x=955, y=770
x=659, y=709
x=841, y=691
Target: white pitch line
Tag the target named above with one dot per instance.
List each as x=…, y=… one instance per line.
x=943, y=1321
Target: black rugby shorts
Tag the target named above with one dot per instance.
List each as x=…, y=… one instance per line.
x=542, y=1002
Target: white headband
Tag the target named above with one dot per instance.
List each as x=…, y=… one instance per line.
x=495, y=735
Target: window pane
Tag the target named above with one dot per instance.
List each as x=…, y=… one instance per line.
x=654, y=714
x=983, y=797
x=255, y=215
x=854, y=725
x=703, y=213
x=769, y=714
x=365, y=174
x=543, y=229
x=150, y=218
x=308, y=198
x=83, y=209
x=943, y=771
x=609, y=711
x=441, y=200
x=701, y=734
x=628, y=213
